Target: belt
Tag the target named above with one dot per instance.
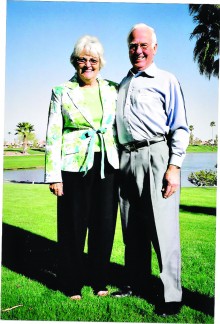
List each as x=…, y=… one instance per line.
x=133, y=146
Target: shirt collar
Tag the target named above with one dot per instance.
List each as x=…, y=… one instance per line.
x=150, y=71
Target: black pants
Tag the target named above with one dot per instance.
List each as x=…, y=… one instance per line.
x=89, y=202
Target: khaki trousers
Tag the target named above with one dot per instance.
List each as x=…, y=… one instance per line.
x=149, y=218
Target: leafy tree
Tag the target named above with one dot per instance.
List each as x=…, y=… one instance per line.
x=24, y=129
x=191, y=128
x=206, y=51
x=203, y=178
x=197, y=141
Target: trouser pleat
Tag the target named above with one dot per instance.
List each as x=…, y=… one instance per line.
x=148, y=218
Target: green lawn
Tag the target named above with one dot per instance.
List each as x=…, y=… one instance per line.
x=201, y=149
x=29, y=216
x=23, y=162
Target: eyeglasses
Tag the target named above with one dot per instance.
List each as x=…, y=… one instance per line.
x=134, y=46
x=83, y=60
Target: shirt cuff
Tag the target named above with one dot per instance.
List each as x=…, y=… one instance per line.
x=52, y=178
x=177, y=160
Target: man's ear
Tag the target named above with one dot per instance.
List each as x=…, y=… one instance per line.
x=155, y=49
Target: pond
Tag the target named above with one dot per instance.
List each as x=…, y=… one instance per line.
x=193, y=162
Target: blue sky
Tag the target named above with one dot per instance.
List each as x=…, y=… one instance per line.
x=40, y=37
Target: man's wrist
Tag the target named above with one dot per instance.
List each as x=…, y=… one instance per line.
x=173, y=166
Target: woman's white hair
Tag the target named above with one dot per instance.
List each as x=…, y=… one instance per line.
x=143, y=26
x=91, y=45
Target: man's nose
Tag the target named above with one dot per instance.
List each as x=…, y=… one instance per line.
x=138, y=49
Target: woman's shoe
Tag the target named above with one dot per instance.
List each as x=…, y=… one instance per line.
x=126, y=291
x=102, y=293
x=76, y=297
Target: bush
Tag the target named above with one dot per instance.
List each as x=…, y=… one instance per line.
x=203, y=178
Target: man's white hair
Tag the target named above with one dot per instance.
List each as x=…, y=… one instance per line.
x=143, y=26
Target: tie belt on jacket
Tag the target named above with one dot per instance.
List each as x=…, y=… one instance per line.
x=133, y=146
x=90, y=154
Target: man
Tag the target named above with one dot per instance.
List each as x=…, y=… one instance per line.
x=153, y=135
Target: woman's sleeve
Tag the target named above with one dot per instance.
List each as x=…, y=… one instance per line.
x=54, y=138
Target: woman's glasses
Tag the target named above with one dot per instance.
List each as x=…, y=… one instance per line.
x=83, y=60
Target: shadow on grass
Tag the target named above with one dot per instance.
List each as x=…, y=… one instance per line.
x=36, y=257
x=19, y=150
x=29, y=254
x=209, y=211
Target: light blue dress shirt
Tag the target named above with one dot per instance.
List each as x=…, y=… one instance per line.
x=151, y=103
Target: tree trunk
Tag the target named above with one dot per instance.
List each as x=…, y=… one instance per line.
x=24, y=144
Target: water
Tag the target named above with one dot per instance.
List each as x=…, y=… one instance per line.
x=29, y=175
x=193, y=162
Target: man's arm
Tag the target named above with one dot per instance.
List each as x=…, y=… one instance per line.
x=179, y=139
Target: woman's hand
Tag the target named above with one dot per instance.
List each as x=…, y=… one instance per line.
x=56, y=188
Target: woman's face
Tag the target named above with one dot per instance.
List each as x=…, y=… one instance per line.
x=87, y=67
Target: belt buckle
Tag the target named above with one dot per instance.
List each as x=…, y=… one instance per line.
x=133, y=147
x=130, y=147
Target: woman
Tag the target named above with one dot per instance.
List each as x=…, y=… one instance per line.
x=81, y=168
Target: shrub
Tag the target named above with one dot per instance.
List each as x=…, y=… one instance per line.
x=203, y=178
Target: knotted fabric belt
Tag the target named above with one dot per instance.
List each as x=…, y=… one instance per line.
x=134, y=146
x=90, y=154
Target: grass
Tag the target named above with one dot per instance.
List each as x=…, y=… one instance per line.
x=202, y=149
x=23, y=162
x=29, y=215
x=34, y=159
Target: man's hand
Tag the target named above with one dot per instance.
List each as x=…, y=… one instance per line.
x=171, y=181
x=56, y=188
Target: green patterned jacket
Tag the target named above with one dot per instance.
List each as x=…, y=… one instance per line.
x=71, y=133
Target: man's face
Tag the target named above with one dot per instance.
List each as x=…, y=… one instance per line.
x=141, y=52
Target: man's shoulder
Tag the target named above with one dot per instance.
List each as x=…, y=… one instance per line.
x=125, y=79
x=166, y=74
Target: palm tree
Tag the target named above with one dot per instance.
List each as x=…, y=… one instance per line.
x=191, y=128
x=206, y=32
x=9, y=133
x=24, y=129
x=212, y=124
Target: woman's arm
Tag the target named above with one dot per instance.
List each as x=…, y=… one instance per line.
x=54, y=139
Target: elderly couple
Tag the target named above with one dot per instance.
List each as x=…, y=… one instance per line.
x=108, y=144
